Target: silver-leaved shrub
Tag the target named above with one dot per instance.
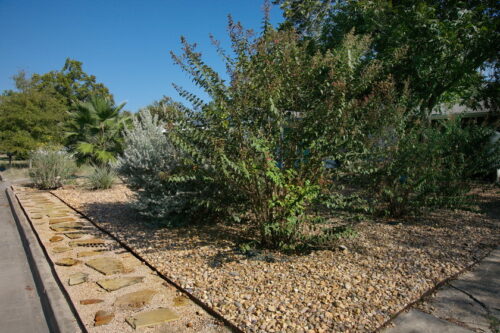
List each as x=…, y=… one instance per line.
x=147, y=157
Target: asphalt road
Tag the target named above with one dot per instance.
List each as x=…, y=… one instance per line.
x=20, y=306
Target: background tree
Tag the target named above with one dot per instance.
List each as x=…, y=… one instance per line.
x=443, y=48
x=36, y=112
x=30, y=116
x=72, y=84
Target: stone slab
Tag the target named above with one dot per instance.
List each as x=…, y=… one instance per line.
x=181, y=301
x=67, y=262
x=103, y=318
x=55, y=239
x=75, y=235
x=64, y=230
x=90, y=253
x=61, y=220
x=77, y=278
x=106, y=265
x=152, y=318
x=91, y=301
x=87, y=242
x=118, y=283
x=67, y=226
x=135, y=300
x=61, y=215
x=61, y=249
x=416, y=321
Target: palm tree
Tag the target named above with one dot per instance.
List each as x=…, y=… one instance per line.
x=95, y=130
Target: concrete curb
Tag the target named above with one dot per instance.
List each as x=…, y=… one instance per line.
x=59, y=312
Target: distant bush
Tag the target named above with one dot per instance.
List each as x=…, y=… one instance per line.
x=431, y=166
x=102, y=177
x=51, y=168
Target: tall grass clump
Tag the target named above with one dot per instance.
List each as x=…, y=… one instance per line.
x=101, y=178
x=50, y=168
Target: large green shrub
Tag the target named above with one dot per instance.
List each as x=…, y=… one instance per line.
x=50, y=168
x=267, y=134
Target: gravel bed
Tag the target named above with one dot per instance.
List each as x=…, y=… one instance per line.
x=384, y=268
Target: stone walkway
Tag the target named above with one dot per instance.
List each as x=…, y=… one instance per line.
x=19, y=299
x=470, y=303
x=111, y=289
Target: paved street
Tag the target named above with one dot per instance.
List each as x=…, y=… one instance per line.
x=20, y=307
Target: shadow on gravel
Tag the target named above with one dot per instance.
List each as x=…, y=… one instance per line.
x=432, y=232
x=124, y=221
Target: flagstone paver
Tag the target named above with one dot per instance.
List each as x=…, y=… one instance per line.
x=87, y=242
x=136, y=299
x=67, y=226
x=77, y=278
x=106, y=265
x=103, y=317
x=61, y=220
x=61, y=249
x=74, y=235
x=90, y=253
x=67, y=262
x=154, y=317
x=91, y=301
x=55, y=239
x=63, y=229
x=118, y=283
x=181, y=301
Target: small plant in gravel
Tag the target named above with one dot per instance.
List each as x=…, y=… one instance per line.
x=50, y=168
x=101, y=177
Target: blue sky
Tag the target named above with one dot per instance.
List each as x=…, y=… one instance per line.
x=124, y=43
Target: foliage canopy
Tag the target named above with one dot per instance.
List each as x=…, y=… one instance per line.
x=447, y=50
